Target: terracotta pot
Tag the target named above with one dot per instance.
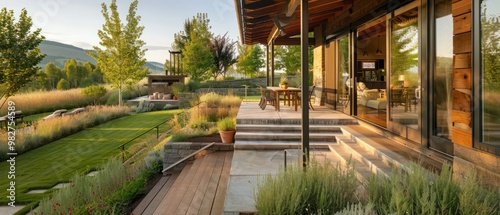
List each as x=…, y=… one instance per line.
x=227, y=136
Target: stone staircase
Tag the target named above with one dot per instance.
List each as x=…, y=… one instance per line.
x=254, y=134
x=347, y=141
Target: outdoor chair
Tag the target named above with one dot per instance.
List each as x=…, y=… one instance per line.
x=264, y=99
x=311, y=91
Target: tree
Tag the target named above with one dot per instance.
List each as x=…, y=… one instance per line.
x=70, y=70
x=53, y=74
x=404, y=49
x=122, y=59
x=181, y=38
x=223, y=55
x=19, y=54
x=94, y=92
x=63, y=84
x=251, y=59
x=197, y=58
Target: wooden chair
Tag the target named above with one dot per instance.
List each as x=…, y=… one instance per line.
x=264, y=99
x=311, y=91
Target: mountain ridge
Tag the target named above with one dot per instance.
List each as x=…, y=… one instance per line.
x=59, y=53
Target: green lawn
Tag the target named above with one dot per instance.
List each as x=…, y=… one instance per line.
x=79, y=153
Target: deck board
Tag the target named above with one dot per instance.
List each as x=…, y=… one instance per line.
x=195, y=205
x=166, y=200
x=220, y=195
x=151, y=195
x=193, y=185
x=161, y=194
x=198, y=189
x=206, y=204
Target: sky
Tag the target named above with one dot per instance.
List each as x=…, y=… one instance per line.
x=76, y=22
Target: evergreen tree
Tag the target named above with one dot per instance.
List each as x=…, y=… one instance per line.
x=19, y=55
x=122, y=59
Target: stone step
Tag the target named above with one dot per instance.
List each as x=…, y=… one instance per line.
x=278, y=145
x=344, y=158
x=372, y=146
x=368, y=158
x=283, y=136
x=285, y=121
x=287, y=128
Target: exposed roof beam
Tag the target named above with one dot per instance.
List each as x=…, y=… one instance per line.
x=288, y=12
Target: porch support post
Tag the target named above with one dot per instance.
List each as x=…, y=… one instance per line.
x=267, y=65
x=304, y=36
x=272, y=63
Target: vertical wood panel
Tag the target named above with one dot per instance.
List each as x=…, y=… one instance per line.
x=461, y=117
x=461, y=101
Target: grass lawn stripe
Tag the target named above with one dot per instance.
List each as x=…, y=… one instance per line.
x=79, y=153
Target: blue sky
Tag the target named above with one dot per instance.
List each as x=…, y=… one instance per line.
x=76, y=22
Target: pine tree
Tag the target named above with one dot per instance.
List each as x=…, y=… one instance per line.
x=122, y=59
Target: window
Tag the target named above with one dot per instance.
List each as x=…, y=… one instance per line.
x=490, y=72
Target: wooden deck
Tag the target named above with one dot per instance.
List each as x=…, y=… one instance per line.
x=200, y=188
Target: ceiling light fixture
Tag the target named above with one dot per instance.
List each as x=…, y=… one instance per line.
x=378, y=52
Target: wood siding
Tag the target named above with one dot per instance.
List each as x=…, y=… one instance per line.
x=462, y=79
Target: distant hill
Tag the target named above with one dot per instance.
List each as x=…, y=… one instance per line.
x=59, y=53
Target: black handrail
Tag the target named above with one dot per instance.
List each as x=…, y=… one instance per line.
x=122, y=147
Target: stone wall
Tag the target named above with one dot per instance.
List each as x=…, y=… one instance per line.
x=175, y=151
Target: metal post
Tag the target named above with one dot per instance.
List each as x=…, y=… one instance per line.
x=272, y=64
x=157, y=132
x=284, y=153
x=267, y=65
x=304, y=43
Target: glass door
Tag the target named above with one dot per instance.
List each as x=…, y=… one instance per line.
x=442, y=78
x=343, y=80
x=405, y=74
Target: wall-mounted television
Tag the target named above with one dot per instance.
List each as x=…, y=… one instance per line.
x=368, y=65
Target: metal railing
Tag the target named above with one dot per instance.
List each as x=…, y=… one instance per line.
x=187, y=157
x=122, y=146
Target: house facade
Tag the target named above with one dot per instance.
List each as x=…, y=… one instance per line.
x=424, y=72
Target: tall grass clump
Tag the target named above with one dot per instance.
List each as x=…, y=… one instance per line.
x=47, y=131
x=85, y=190
x=202, y=119
x=319, y=189
x=421, y=192
x=48, y=101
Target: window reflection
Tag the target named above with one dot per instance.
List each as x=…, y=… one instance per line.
x=490, y=50
x=404, y=79
x=443, y=70
x=343, y=74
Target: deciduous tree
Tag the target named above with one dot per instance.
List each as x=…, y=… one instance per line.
x=122, y=57
x=19, y=53
x=94, y=92
x=251, y=59
x=197, y=58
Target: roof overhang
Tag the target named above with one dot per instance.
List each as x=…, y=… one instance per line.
x=278, y=21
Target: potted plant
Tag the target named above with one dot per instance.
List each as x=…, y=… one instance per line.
x=284, y=82
x=177, y=88
x=227, y=129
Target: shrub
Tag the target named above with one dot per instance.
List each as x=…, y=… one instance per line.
x=421, y=192
x=178, y=87
x=94, y=92
x=321, y=188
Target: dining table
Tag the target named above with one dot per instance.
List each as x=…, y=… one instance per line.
x=290, y=95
